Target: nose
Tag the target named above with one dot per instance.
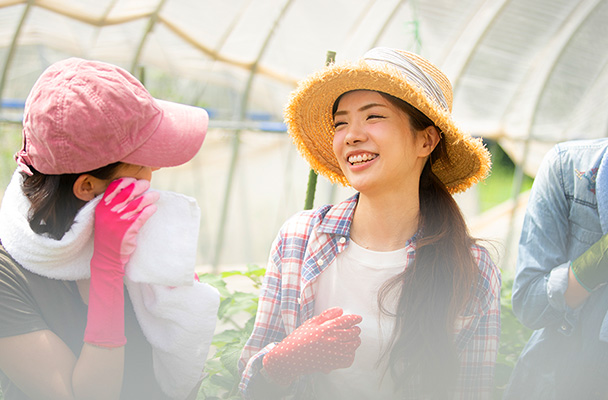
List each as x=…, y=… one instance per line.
x=354, y=134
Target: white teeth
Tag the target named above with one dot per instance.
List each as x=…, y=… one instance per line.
x=360, y=158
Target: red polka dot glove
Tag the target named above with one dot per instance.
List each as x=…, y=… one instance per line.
x=125, y=207
x=323, y=343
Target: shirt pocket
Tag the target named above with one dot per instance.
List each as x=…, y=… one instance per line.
x=582, y=238
x=463, y=322
x=464, y=329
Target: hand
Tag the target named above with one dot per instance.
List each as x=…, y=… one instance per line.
x=323, y=343
x=122, y=211
x=591, y=268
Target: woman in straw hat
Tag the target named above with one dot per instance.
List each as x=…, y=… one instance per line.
x=384, y=295
x=78, y=223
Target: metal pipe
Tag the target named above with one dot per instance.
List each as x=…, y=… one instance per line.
x=236, y=139
x=151, y=23
x=12, y=48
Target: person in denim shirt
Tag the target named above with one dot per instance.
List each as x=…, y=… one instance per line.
x=559, y=284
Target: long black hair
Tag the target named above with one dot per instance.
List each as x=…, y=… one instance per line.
x=434, y=289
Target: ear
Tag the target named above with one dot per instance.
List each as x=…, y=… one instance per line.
x=430, y=137
x=87, y=187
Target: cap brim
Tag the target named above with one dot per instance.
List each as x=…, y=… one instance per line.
x=176, y=140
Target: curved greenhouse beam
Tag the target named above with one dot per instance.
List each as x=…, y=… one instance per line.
x=11, y=50
x=359, y=20
x=7, y=3
x=539, y=77
x=389, y=19
x=105, y=21
x=600, y=78
x=104, y=16
x=87, y=18
x=571, y=25
x=464, y=44
x=214, y=54
x=236, y=138
x=224, y=37
x=152, y=20
x=231, y=26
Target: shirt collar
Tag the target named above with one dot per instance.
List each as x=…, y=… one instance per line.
x=338, y=219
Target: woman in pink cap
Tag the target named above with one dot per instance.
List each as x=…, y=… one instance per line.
x=384, y=295
x=70, y=223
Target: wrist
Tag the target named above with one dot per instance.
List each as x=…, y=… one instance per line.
x=274, y=372
x=268, y=378
x=591, y=268
x=576, y=272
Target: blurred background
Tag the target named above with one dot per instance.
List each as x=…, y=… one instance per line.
x=526, y=74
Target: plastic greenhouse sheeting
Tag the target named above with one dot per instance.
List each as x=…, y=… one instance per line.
x=527, y=73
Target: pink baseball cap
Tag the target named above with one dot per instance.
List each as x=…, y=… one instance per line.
x=82, y=115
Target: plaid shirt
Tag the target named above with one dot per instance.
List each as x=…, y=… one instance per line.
x=308, y=243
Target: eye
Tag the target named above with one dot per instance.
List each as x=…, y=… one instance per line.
x=338, y=124
x=374, y=116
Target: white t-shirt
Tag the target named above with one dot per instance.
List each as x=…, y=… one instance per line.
x=352, y=282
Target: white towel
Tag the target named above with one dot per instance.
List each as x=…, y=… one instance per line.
x=176, y=314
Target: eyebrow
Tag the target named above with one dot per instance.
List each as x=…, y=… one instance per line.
x=365, y=107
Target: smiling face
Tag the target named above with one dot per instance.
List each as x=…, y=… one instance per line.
x=375, y=145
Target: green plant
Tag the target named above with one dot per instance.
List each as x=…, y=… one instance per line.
x=236, y=315
x=498, y=187
x=10, y=143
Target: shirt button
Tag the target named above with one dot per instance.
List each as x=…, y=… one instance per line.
x=564, y=328
x=342, y=240
x=320, y=263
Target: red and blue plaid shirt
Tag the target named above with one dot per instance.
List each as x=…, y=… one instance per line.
x=308, y=243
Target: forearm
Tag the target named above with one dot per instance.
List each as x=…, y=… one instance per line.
x=531, y=304
x=98, y=373
x=42, y=366
x=576, y=294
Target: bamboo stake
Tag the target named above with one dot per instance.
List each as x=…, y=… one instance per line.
x=311, y=187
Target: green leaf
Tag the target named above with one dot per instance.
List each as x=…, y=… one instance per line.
x=230, y=359
x=227, y=336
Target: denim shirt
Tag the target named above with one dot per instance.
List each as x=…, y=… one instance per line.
x=563, y=219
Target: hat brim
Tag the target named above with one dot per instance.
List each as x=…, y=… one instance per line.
x=177, y=138
x=309, y=118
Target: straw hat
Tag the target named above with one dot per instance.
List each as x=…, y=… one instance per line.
x=404, y=75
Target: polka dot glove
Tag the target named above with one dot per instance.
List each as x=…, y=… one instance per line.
x=323, y=343
x=126, y=205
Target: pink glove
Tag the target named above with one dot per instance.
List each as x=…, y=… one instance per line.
x=119, y=215
x=323, y=343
